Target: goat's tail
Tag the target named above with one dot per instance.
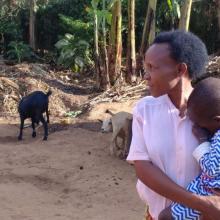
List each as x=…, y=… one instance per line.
x=49, y=93
x=109, y=112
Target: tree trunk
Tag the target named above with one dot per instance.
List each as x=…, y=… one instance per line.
x=185, y=15
x=148, y=34
x=105, y=83
x=32, y=18
x=149, y=27
x=97, y=55
x=131, y=54
x=115, y=50
x=11, y=3
x=218, y=14
x=172, y=17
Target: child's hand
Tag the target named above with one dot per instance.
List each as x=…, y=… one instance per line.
x=200, y=133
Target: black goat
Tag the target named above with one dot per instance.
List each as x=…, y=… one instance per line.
x=33, y=106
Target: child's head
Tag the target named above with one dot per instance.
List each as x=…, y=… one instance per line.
x=203, y=105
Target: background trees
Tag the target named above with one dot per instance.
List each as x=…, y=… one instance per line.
x=107, y=37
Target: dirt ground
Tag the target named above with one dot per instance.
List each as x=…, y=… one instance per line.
x=69, y=177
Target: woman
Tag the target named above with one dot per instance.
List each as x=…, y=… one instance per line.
x=162, y=142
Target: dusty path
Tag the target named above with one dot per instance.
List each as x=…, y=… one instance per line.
x=69, y=177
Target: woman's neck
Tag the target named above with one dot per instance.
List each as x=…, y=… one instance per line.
x=180, y=94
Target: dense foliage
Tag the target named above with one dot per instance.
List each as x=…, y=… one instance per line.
x=57, y=20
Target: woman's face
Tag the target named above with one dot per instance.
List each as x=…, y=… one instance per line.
x=162, y=72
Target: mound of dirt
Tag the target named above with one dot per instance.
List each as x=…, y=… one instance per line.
x=212, y=70
x=21, y=79
x=214, y=66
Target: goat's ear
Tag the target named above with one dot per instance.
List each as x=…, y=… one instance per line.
x=100, y=120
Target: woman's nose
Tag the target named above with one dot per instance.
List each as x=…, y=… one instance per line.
x=146, y=76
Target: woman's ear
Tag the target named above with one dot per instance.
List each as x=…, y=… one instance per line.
x=182, y=69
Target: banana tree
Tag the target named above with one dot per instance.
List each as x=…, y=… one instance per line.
x=174, y=7
x=100, y=16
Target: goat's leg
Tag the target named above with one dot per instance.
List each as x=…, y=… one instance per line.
x=33, y=126
x=120, y=149
x=47, y=113
x=118, y=142
x=113, y=145
x=128, y=137
x=21, y=129
x=112, y=148
x=126, y=146
x=45, y=127
x=126, y=142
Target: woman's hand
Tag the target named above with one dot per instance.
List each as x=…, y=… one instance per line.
x=213, y=209
x=200, y=133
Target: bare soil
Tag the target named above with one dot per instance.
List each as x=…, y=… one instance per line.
x=71, y=176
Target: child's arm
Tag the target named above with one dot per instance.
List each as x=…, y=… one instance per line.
x=208, y=156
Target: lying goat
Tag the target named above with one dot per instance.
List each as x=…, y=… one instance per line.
x=33, y=106
x=121, y=126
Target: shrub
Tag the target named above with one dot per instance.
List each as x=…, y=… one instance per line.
x=18, y=51
x=74, y=53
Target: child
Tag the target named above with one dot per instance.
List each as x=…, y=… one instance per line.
x=203, y=108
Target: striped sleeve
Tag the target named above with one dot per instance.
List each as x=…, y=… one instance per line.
x=210, y=162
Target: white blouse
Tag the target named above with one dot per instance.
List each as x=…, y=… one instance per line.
x=165, y=139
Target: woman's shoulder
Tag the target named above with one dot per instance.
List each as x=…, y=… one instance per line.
x=151, y=101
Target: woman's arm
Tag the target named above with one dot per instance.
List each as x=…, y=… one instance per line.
x=155, y=179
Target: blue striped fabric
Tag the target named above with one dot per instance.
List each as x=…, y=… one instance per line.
x=208, y=179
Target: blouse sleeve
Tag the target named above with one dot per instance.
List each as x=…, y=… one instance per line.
x=138, y=148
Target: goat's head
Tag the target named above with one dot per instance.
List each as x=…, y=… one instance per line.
x=106, y=126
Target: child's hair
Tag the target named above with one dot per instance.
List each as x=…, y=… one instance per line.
x=205, y=98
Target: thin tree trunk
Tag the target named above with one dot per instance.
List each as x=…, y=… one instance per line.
x=185, y=15
x=148, y=34
x=149, y=26
x=97, y=55
x=12, y=3
x=131, y=54
x=106, y=83
x=172, y=17
x=218, y=14
x=32, y=24
x=115, y=51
